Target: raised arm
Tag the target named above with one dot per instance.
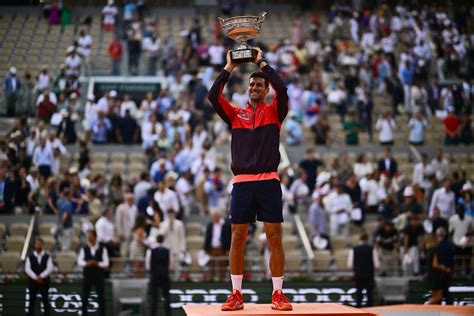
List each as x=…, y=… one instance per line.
x=220, y=104
x=281, y=96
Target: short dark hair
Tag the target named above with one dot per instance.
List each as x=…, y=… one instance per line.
x=259, y=74
x=93, y=232
x=160, y=239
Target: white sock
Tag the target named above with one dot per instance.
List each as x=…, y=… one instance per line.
x=236, y=282
x=277, y=283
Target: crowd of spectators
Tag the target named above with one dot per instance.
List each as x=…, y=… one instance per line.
x=404, y=53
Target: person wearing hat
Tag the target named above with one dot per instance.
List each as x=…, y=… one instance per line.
x=38, y=267
x=158, y=261
x=466, y=200
x=410, y=205
x=363, y=259
x=11, y=88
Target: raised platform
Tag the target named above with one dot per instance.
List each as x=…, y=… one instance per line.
x=265, y=309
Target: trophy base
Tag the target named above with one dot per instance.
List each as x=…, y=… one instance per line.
x=243, y=55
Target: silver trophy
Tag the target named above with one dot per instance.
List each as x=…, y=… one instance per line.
x=242, y=29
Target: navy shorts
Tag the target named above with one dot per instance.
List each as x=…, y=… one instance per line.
x=259, y=200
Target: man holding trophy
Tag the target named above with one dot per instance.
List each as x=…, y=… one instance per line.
x=256, y=192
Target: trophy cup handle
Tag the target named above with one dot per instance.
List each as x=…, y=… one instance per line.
x=261, y=17
x=221, y=20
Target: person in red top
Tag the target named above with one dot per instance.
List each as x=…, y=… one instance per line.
x=256, y=193
x=45, y=109
x=452, y=125
x=115, y=53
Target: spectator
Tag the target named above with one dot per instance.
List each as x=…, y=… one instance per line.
x=73, y=62
x=105, y=232
x=412, y=246
x=141, y=188
x=363, y=166
x=109, y=12
x=45, y=110
x=134, y=38
x=310, y=164
x=175, y=236
x=43, y=158
x=322, y=131
x=452, y=127
x=67, y=128
x=217, y=244
x=385, y=125
x=129, y=131
x=364, y=260
x=417, y=125
x=317, y=217
x=422, y=172
x=365, y=107
x=115, y=53
x=462, y=228
x=166, y=198
x=214, y=188
x=387, y=165
x=11, y=88
x=465, y=128
x=100, y=128
x=466, y=200
x=43, y=80
x=443, y=199
x=125, y=215
x=7, y=190
x=185, y=190
x=151, y=48
x=437, y=221
x=339, y=207
x=300, y=193
x=386, y=243
x=65, y=221
x=293, y=130
x=137, y=246
x=410, y=207
x=351, y=128
x=84, y=47
x=440, y=165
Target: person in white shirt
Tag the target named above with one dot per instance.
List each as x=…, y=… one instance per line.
x=175, y=235
x=94, y=260
x=300, y=191
x=440, y=165
x=105, y=232
x=147, y=106
x=125, y=215
x=417, y=126
x=150, y=131
x=166, y=198
x=354, y=26
x=73, y=62
x=385, y=125
x=84, y=43
x=52, y=97
x=109, y=12
x=216, y=54
x=128, y=104
x=141, y=188
x=43, y=79
x=363, y=166
x=443, y=199
x=339, y=206
x=422, y=172
x=151, y=46
x=185, y=191
x=38, y=267
x=43, y=158
x=462, y=229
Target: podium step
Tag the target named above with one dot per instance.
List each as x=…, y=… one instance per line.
x=265, y=310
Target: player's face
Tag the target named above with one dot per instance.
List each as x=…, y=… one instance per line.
x=256, y=89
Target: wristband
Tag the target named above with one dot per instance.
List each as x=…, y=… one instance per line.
x=261, y=61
